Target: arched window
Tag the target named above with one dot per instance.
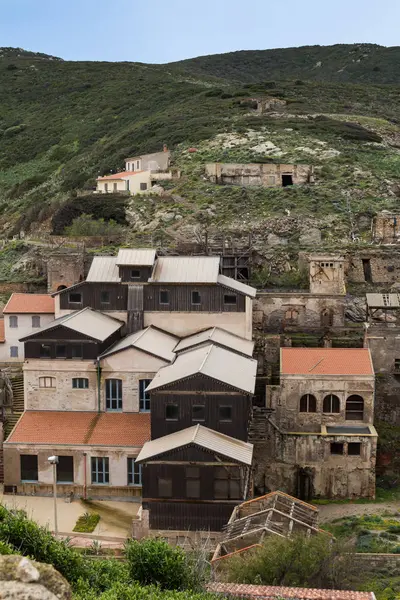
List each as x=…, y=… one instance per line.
x=331, y=404
x=355, y=408
x=308, y=403
x=61, y=287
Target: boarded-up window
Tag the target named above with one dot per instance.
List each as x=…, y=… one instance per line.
x=355, y=408
x=164, y=487
x=226, y=483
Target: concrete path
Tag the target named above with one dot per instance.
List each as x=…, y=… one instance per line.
x=115, y=517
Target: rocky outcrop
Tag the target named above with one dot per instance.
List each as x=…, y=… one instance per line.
x=25, y=579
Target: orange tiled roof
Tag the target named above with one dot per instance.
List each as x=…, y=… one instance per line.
x=120, y=175
x=80, y=428
x=2, y=336
x=267, y=591
x=326, y=361
x=30, y=303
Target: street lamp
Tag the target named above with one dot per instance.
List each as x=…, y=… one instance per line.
x=53, y=460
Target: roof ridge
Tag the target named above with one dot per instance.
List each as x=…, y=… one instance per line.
x=205, y=358
x=196, y=431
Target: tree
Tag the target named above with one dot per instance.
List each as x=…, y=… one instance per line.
x=85, y=225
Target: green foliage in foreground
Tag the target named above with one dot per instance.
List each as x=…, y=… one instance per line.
x=87, y=522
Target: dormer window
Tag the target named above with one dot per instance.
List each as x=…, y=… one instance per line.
x=135, y=274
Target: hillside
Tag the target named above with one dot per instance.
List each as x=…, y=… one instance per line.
x=63, y=123
x=352, y=63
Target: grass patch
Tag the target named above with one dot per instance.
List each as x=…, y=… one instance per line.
x=87, y=523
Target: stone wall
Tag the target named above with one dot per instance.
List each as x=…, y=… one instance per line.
x=380, y=266
x=64, y=270
x=386, y=228
x=387, y=399
x=266, y=175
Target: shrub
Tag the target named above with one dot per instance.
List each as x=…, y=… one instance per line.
x=87, y=522
x=104, y=206
x=86, y=225
x=14, y=130
x=154, y=561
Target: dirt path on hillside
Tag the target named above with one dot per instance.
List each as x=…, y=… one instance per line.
x=329, y=512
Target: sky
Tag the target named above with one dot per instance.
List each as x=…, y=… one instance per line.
x=159, y=31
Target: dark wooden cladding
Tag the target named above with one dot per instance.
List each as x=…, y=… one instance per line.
x=198, y=383
x=237, y=427
x=180, y=298
x=188, y=516
x=91, y=295
x=125, y=272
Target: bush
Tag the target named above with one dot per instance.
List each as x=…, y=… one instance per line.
x=85, y=225
x=303, y=562
x=87, y=522
x=104, y=206
x=14, y=130
x=154, y=561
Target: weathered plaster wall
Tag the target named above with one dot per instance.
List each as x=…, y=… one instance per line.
x=267, y=175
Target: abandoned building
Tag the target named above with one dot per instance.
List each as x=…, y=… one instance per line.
x=374, y=266
x=386, y=228
x=319, y=438
x=64, y=268
x=266, y=175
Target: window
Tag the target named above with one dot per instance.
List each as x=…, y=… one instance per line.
x=198, y=412
x=337, y=448
x=75, y=298
x=113, y=394
x=105, y=297
x=225, y=413
x=45, y=351
x=134, y=472
x=77, y=351
x=354, y=449
x=138, y=164
x=29, y=467
x=115, y=186
x=327, y=318
x=308, y=403
x=13, y=321
x=143, y=187
x=192, y=482
x=61, y=351
x=135, y=274
x=164, y=297
x=230, y=299
x=292, y=315
x=65, y=469
x=80, y=383
x=354, y=408
x=47, y=382
x=164, y=487
x=196, y=298
x=171, y=412
x=100, y=470
x=331, y=404
x=35, y=321
x=13, y=351
x=106, y=187
x=144, y=397
x=226, y=483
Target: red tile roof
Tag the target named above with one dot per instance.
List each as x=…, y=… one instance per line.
x=326, y=361
x=79, y=428
x=30, y=303
x=120, y=175
x=266, y=591
x=2, y=336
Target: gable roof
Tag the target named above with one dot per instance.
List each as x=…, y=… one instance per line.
x=237, y=286
x=143, y=257
x=87, y=321
x=200, y=436
x=326, y=361
x=30, y=303
x=218, y=336
x=120, y=175
x=186, y=269
x=80, y=428
x=217, y=363
x=151, y=340
x=104, y=269
x=267, y=592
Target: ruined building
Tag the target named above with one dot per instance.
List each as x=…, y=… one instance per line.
x=266, y=175
x=386, y=228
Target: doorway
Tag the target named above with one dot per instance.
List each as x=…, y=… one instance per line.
x=366, y=263
x=287, y=180
x=304, y=484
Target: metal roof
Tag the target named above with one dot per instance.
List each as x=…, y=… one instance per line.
x=104, y=269
x=238, y=286
x=218, y=363
x=199, y=435
x=383, y=300
x=86, y=321
x=218, y=336
x=151, y=340
x=186, y=269
x=143, y=257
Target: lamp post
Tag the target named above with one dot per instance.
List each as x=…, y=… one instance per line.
x=53, y=460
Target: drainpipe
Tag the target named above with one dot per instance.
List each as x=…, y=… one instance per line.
x=98, y=385
x=85, y=477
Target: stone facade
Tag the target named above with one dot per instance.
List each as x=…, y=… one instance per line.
x=266, y=175
x=327, y=274
x=377, y=266
x=386, y=228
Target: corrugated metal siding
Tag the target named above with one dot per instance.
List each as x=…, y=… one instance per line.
x=180, y=299
x=91, y=297
x=135, y=297
x=136, y=256
x=237, y=428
